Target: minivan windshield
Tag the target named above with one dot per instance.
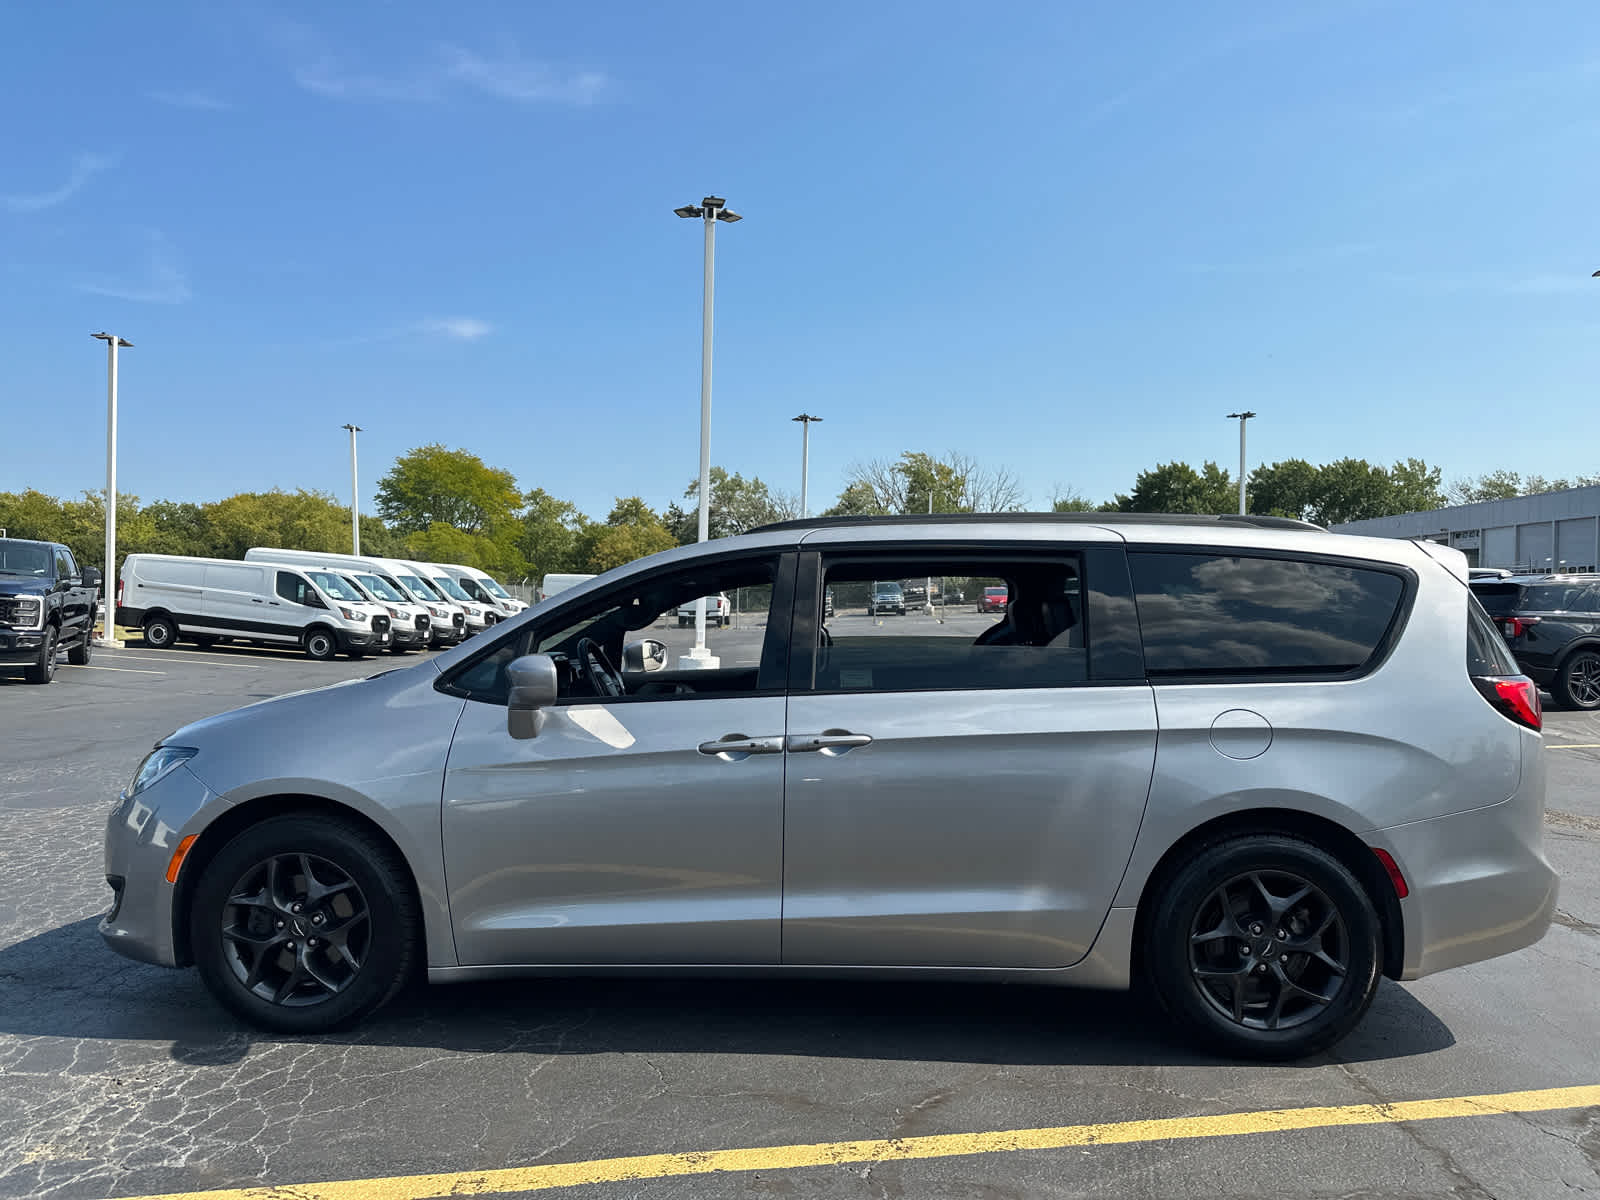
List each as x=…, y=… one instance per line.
x=336, y=586
x=380, y=589
x=450, y=587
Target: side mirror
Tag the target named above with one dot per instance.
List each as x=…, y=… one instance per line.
x=92, y=577
x=533, y=689
x=644, y=655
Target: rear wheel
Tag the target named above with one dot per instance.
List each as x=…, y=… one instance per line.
x=43, y=668
x=160, y=633
x=1265, y=946
x=1577, y=684
x=303, y=924
x=320, y=644
x=79, y=654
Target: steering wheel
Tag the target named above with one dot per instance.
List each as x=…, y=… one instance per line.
x=605, y=678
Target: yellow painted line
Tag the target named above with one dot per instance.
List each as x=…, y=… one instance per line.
x=950, y=1145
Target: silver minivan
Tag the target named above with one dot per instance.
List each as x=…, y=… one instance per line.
x=1246, y=763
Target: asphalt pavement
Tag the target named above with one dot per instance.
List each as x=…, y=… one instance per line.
x=118, y=1079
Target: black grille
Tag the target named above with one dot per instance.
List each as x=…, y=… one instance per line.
x=460, y=620
x=422, y=620
x=380, y=624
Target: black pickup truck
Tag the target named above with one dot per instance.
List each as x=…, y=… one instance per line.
x=46, y=604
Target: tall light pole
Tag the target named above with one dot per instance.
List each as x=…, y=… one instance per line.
x=108, y=586
x=1241, y=417
x=805, y=420
x=710, y=210
x=355, y=495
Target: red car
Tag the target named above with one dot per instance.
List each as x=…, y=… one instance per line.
x=993, y=599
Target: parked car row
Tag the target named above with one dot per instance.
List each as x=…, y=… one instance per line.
x=325, y=603
x=1551, y=623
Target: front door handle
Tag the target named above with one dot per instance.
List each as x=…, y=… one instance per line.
x=734, y=747
x=831, y=741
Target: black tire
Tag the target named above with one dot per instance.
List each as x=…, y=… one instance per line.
x=1577, y=683
x=160, y=633
x=356, y=652
x=78, y=655
x=320, y=643
x=1229, y=980
x=383, y=943
x=397, y=648
x=43, y=668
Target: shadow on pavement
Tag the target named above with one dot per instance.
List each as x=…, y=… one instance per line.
x=66, y=984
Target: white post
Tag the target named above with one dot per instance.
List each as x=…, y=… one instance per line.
x=699, y=657
x=805, y=467
x=108, y=586
x=355, y=495
x=1241, y=465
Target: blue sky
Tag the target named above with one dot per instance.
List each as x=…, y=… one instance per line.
x=1067, y=239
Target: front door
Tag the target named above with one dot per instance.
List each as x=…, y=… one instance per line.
x=964, y=786
x=643, y=823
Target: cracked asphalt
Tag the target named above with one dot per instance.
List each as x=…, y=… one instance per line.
x=118, y=1079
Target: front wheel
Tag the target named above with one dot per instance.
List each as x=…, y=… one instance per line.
x=303, y=923
x=1265, y=946
x=320, y=644
x=1577, y=684
x=43, y=668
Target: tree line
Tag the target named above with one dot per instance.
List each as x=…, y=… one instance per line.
x=440, y=504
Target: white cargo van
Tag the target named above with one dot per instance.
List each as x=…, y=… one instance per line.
x=485, y=589
x=449, y=618
x=409, y=615
x=478, y=617
x=209, y=599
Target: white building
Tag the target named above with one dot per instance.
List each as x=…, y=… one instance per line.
x=1555, y=531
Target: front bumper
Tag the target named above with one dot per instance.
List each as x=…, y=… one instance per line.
x=19, y=647
x=1479, y=880
x=141, y=835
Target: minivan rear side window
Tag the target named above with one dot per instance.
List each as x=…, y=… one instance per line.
x=1224, y=614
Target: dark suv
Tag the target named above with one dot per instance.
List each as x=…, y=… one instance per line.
x=46, y=603
x=1552, y=625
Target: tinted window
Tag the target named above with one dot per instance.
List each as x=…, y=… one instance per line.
x=295, y=589
x=1554, y=597
x=1486, y=649
x=1497, y=598
x=64, y=566
x=1239, y=615
x=1039, y=642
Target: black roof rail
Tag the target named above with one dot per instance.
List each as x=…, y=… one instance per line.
x=1020, y=518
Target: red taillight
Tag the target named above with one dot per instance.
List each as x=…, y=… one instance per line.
x=1515, y=627
x=1393, y=868
x=119, y=593
x=1515, y=696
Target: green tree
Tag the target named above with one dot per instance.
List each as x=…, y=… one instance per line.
x=632, y=530
x=433, y=483
x=1414, y=487
x=1284, y=489
x=738, y=505
x=441, y=543
x=1352, y=489
x=1176, y=487
x=956, y=483
x=857, y=500
x=299, y=520
x=547, y=534
x=1070, y=501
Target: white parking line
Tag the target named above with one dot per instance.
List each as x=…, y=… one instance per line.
x=124, y=670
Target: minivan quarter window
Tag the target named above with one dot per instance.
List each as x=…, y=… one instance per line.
x=1220, y=614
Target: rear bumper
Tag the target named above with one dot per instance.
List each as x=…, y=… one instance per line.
x=1480, y=885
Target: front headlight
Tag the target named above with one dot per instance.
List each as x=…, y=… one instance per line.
x=440, y=612
x=25, y=612
x=351, y=615
x=157, y=765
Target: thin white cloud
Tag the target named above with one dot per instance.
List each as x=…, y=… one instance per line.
x=507, y=74
x=190, y=98
x=462, y=329
x=84, y=168
x=514, y=77
x=164, y=280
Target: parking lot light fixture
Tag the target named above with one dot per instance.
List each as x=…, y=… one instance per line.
x=108, y=585
x=1241, y=417
x=710, y=210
